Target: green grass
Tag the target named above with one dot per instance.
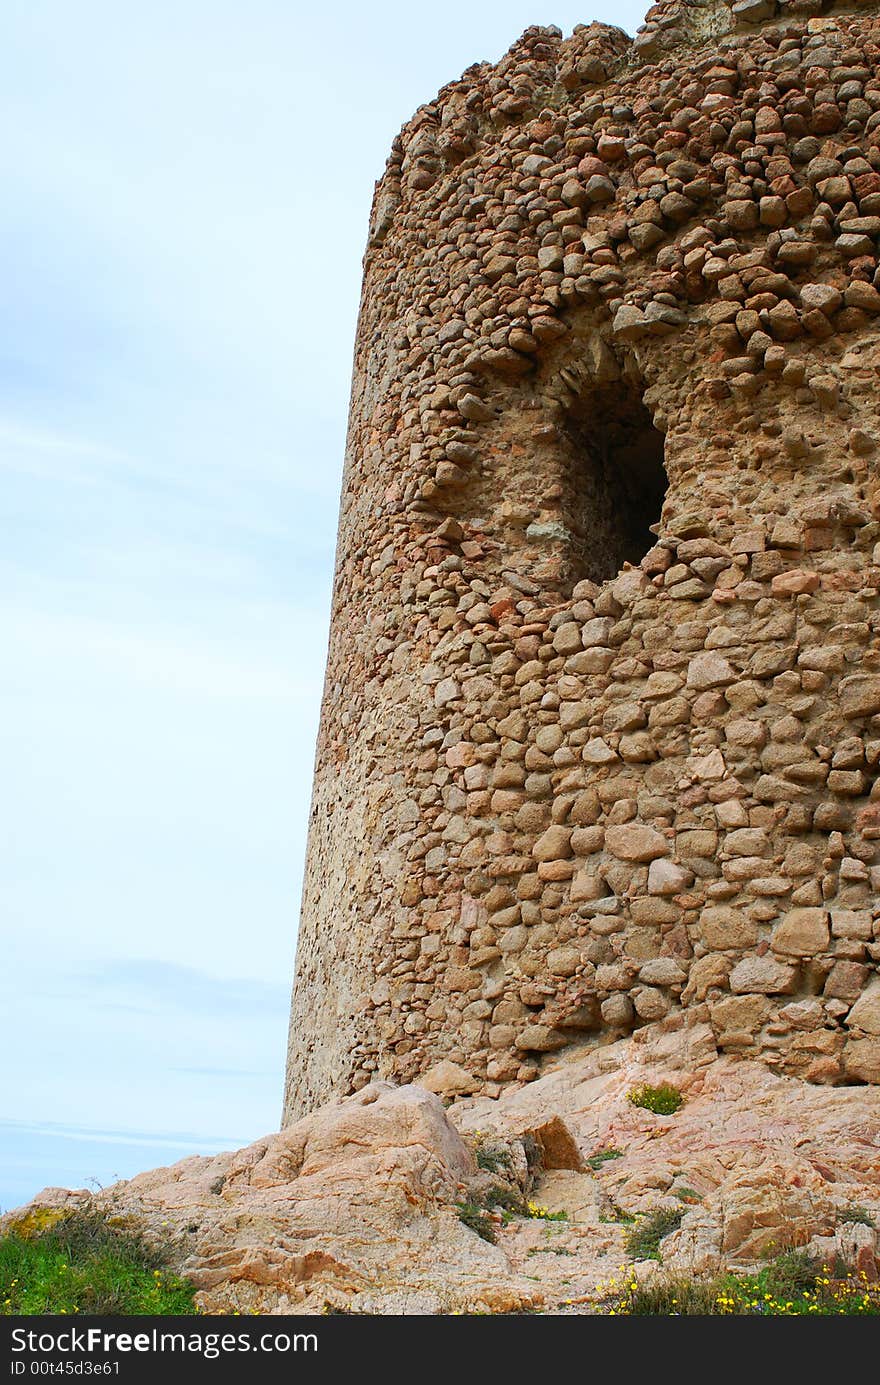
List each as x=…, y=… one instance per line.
x=643, y=1241
x=83, y=1262
x=793, y=1285
x=602, y=1156
x=664, y=1100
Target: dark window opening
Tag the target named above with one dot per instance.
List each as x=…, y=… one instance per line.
x=616, y=481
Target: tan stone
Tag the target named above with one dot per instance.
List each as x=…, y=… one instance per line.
x=865, y=1014
x=635, y=841
x=747, y=841
x=540, y=1038
x=846, y=981
x=723, y=927
x=851, y=923
x=794, y=582
x=663, y=971
x=563, y=961
x=585, y=886
x=802, y=933
x=553, y=845
x=667, y=878
x=650, y=1003
x=709, y=670
x=860, y=696
x=861, y=1059
x=762, y=976
x=738, y=1016
x=706, y=974
x=567, y=639
x=448, y=1079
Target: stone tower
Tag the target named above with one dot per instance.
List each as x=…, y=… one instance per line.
x=601, y=725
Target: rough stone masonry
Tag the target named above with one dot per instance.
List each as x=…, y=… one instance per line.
x=601, y=727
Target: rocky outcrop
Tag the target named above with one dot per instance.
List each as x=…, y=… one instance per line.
x=358, y=1207
x=601, y=727
x=351, y=1206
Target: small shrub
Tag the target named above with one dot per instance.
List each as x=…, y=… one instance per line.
x=847, y=1215
x=493, y=1160
x=82, y=1261
x=477, y=1219
x=664, y=1100
x=509, y=1200
x=791, y=1273
x=643, y=1241
x=602, y=1156
x=506, y=1203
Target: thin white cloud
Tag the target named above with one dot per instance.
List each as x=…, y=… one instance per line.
x=169, y=986
x=185, y=1141
x=21, y=442
x=93, y=648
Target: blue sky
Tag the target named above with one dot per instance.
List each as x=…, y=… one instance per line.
x=186, y=194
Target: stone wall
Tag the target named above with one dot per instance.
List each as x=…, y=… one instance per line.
x=582, y=762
